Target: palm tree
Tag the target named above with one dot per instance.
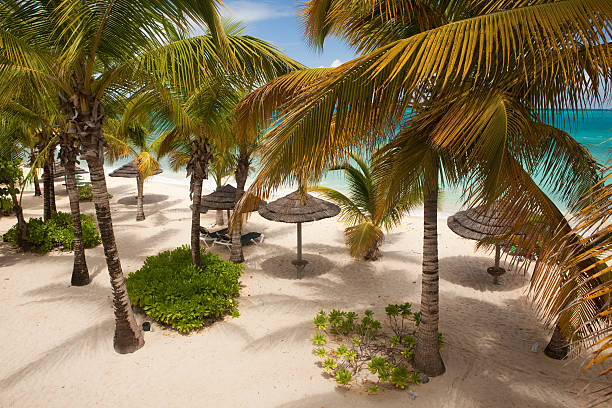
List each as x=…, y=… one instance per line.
x=129, y=138
x=448, y=73
x=196, y=121
x=91, y=52
x=221, y=167
x=573, y=283
x=359, y=210
x=33, y=115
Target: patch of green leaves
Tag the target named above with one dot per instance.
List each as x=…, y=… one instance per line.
x=173, y=291
x=343, y=376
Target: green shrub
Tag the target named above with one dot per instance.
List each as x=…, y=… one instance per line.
x=173, y=291
x=43, y=236
x=6, y=206
x=86, y=193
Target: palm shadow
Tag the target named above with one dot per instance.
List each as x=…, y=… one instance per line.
x=471, y=272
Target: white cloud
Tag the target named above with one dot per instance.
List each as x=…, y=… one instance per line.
x=336, y=63
x=248, y=11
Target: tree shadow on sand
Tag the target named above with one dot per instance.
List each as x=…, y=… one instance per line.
x=147, y=199
x=471, y=272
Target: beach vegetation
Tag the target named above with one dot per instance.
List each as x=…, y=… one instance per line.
x=86, y=194
x=6, y=206
x=173, y=291
x=11, y=179
x=350, y=347
x=360, y=208
x=446, y=114
x=57, y=232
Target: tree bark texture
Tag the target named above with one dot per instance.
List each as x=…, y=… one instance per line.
x=86, y=120
x=68, y=156
x=241, y=174
x=197, y=168
x=557, y=347
x=37, y=192
x=49, y=207
x=22, y=226
x=427, y=356
x=140, y=205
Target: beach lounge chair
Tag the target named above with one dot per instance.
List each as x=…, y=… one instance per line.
x=212, y=236
x=250, y=237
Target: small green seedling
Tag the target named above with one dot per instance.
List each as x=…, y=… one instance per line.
x=330, y=364
x=319, y=338
x=343, y=376
x=373, y=389
x=320, y=352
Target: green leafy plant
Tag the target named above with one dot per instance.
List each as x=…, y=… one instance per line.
x=6, y=206
x=343, y=376
x=330, y=364
x=173, y=291
x=86, y=193
x=319, y=338
x=56, y=232
x=361, y=344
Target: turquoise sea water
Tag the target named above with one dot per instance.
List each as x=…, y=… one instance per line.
x=594, y=131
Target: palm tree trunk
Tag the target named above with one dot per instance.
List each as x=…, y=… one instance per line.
x=242, y=172
x=86, y=119
x=140, y=206
x=219, y=220
x=557, y=347
x=22, y=226
x=49, y=193
x=80, y=273
x=197, y=168
x=427, y=356
x=68, y=155
x=37, y=192
x=196, y=187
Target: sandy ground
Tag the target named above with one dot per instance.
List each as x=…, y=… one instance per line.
x=56, y=340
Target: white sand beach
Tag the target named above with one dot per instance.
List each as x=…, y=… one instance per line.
x=56, y=340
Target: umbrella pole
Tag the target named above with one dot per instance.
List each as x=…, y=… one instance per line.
x=497, y=256
x=228, y=219
x=299, y=262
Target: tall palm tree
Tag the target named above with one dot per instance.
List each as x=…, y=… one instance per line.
x=202, y=117
x=130, y=138
x=104, y=48
x=448, y=73
x=360, y=211
x=36, y=121
x=573, y=280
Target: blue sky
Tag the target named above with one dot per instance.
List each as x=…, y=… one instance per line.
x=276, y=21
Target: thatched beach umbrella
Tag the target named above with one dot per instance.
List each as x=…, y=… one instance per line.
x=479, y=224
x=130, y=170
x=223, y=198
x=297, y=208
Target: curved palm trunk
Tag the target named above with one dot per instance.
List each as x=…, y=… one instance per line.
x=22, y=226
x=242, y=172
x=427, y=356
x=49, y=207
x=37, y=191
x=557, y=347
x=86, y=120
x=140, y=205
x=197, y=168
x=68, y=154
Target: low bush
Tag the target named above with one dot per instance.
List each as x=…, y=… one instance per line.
x=6, y=206
x=173, y=291
x=43, y=236
x=86, y=193
x=358, y=351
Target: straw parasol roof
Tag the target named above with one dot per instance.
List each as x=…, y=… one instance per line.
x=223, y=198
x=130, y=170
x=60, y=171
x=291, y=209
x=477, y=224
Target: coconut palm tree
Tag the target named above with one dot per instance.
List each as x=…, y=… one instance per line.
x=203, y=117
x=90, y=52
x=448, y=74
x=573, y=280
x=36, y=121
x=365, y=221
x=133, y=139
